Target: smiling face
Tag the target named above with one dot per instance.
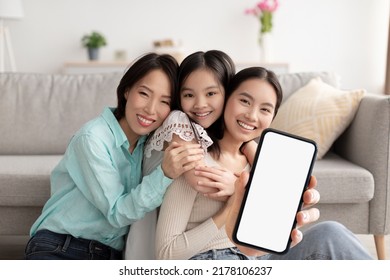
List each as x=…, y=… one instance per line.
x=250, y=109
x=147, y=106
x=202, y=97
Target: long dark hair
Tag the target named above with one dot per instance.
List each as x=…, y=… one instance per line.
x=141, y=68
x=220, y=64
x=236, y=81
x=257, y=73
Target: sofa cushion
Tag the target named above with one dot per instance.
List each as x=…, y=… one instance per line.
x=291, y=82
x=341, y=181
x=40, y=112
x=25, y=180
x=319, y=112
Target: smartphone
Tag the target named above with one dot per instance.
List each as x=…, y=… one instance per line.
x=279, y=176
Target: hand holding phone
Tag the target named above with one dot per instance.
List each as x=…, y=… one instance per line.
x=279, y=176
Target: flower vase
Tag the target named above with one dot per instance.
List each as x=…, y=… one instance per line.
x=265, y=43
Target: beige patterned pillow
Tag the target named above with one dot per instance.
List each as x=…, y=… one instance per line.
x=319, y=112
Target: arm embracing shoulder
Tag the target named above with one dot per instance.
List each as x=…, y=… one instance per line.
x=98, y=178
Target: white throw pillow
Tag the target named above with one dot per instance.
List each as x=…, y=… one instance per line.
x=319, y=112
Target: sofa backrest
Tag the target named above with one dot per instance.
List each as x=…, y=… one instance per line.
x=291, y=82
x=39, y=113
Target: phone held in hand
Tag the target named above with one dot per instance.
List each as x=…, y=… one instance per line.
x=274, y=194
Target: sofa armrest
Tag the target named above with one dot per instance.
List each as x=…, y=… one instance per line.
x=366, y=143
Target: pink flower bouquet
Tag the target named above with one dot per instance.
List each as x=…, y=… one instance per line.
x=263, y=10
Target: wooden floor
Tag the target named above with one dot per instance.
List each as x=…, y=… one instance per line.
x=12, y=248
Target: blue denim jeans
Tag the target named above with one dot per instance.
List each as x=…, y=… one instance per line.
x=323, y=241
x=222, y=254
x=48, y=245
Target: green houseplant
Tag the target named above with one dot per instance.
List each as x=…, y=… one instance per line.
x=93, y=42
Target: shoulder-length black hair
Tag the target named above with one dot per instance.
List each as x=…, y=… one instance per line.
x=141, y=68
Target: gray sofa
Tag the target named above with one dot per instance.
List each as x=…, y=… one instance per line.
x=39, y=113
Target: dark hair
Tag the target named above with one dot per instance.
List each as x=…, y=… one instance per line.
x=257, y=73
x=236, y=81
x=141, y=68
x=220, y=64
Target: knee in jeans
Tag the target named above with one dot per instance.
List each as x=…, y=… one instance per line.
x=331, y=227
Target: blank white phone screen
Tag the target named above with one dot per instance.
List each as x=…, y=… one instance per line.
x=274, y=195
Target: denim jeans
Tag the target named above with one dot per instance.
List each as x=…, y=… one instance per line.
x=47, y=245
x=323, y=241
x=222, y=254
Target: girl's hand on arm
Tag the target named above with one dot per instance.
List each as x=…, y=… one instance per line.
x=220, y=183
x=179, y=158
x=189, y=175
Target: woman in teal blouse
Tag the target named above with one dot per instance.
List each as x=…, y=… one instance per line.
x=97, y=189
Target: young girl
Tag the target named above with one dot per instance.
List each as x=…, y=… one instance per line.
x=97, y=188
x=192, y=226
x=202, y=79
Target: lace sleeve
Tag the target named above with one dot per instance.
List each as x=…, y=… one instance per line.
x=177, y=123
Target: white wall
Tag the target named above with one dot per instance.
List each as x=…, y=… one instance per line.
x=345, y=36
